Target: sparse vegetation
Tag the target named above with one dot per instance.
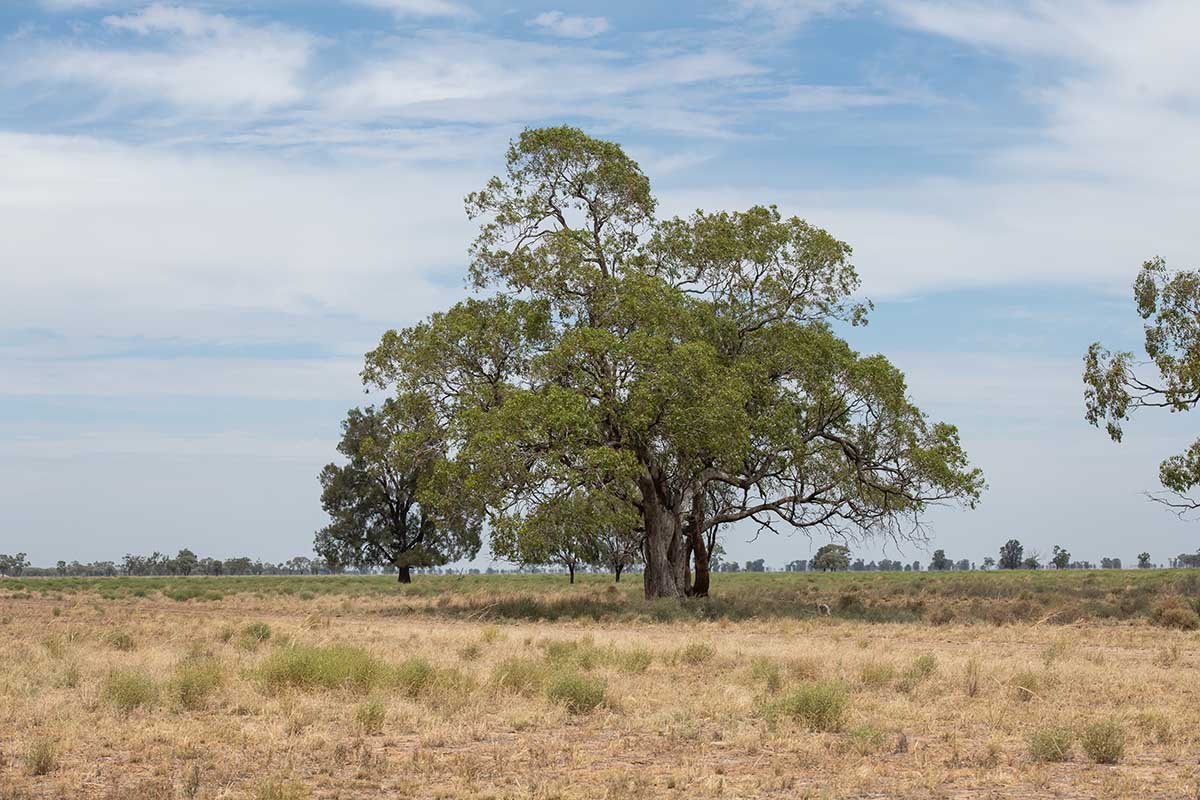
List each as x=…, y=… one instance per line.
x=774, y=707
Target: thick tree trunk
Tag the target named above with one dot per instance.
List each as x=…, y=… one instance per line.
x=403, y=574
x=617, y=574
x=664, y=575
x=571, y=569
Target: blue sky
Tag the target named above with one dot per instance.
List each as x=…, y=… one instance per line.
x=210, y=210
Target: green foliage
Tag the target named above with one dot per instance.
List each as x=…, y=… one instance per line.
x=254, y=634
x=832, y=558
x=867, y=739
x=1175, y=615
x=383, y=502
x=1169, y=302
x=579, y=693
x=653, y=374
x=876, y=674
x=129, y=689
x=1051, y=744
x=370, y=717
x=1104, y=741
x=820, y=706
x=333, y=667
x=520, y=675
x=195, y=680
x=280, y=790
x=1011, y=555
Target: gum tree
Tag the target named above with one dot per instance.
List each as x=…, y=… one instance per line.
x=1116, y=385
x=390, y=503
x=687, y=369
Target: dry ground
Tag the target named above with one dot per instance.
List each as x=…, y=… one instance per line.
x=445, y=708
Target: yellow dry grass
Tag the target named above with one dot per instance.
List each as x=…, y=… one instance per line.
x=465, y=709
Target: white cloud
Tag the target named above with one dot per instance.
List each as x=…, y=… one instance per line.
x=469, y=78
x=199, y=62
x=419, y=8
x=167, y=244
x=571, y=27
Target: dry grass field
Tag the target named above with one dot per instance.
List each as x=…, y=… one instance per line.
x=353, y=688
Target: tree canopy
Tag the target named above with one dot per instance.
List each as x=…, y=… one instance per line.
x=686, y=370
x=391, y=504
x=1169, y=302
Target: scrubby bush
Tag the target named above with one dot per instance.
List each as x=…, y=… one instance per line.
x=129, y=689
x=820, y=706
x=1051, y=744
x=370, y=717
x=1104, y=741
x=1176, y=616
x=1026, y=685
x=579, y=693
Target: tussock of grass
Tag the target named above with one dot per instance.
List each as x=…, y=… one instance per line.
x=876, y=674
x=332, y=667
x=1104, y=741
x=1051, y=744
x=579, y=693
x=195, y=680
x=41, y=758
x=820, y=706
x=1028, y=685
x=120, y=640
x=520, y=676
x=867, y=739
x=254, y=634
x=636, y=660
x=694, y=654
x=129, y=689
x=370, y=717
x=279, y=790
x=765, y=671
x=918, y=672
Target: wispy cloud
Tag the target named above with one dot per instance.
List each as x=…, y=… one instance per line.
x=419, y=8
x=571, y=27
x=188, y=59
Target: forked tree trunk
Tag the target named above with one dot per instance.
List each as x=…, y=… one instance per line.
x=403, y=574
x=571, y=570
x=666, y=567
x=617, y=573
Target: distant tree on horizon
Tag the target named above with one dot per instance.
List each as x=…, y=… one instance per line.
x=1143, y=561
x=1011, y=555
x=832, y=558
x=1061, y=558
x=378, y=501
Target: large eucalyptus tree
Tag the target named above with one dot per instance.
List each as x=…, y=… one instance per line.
x=686, y=370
